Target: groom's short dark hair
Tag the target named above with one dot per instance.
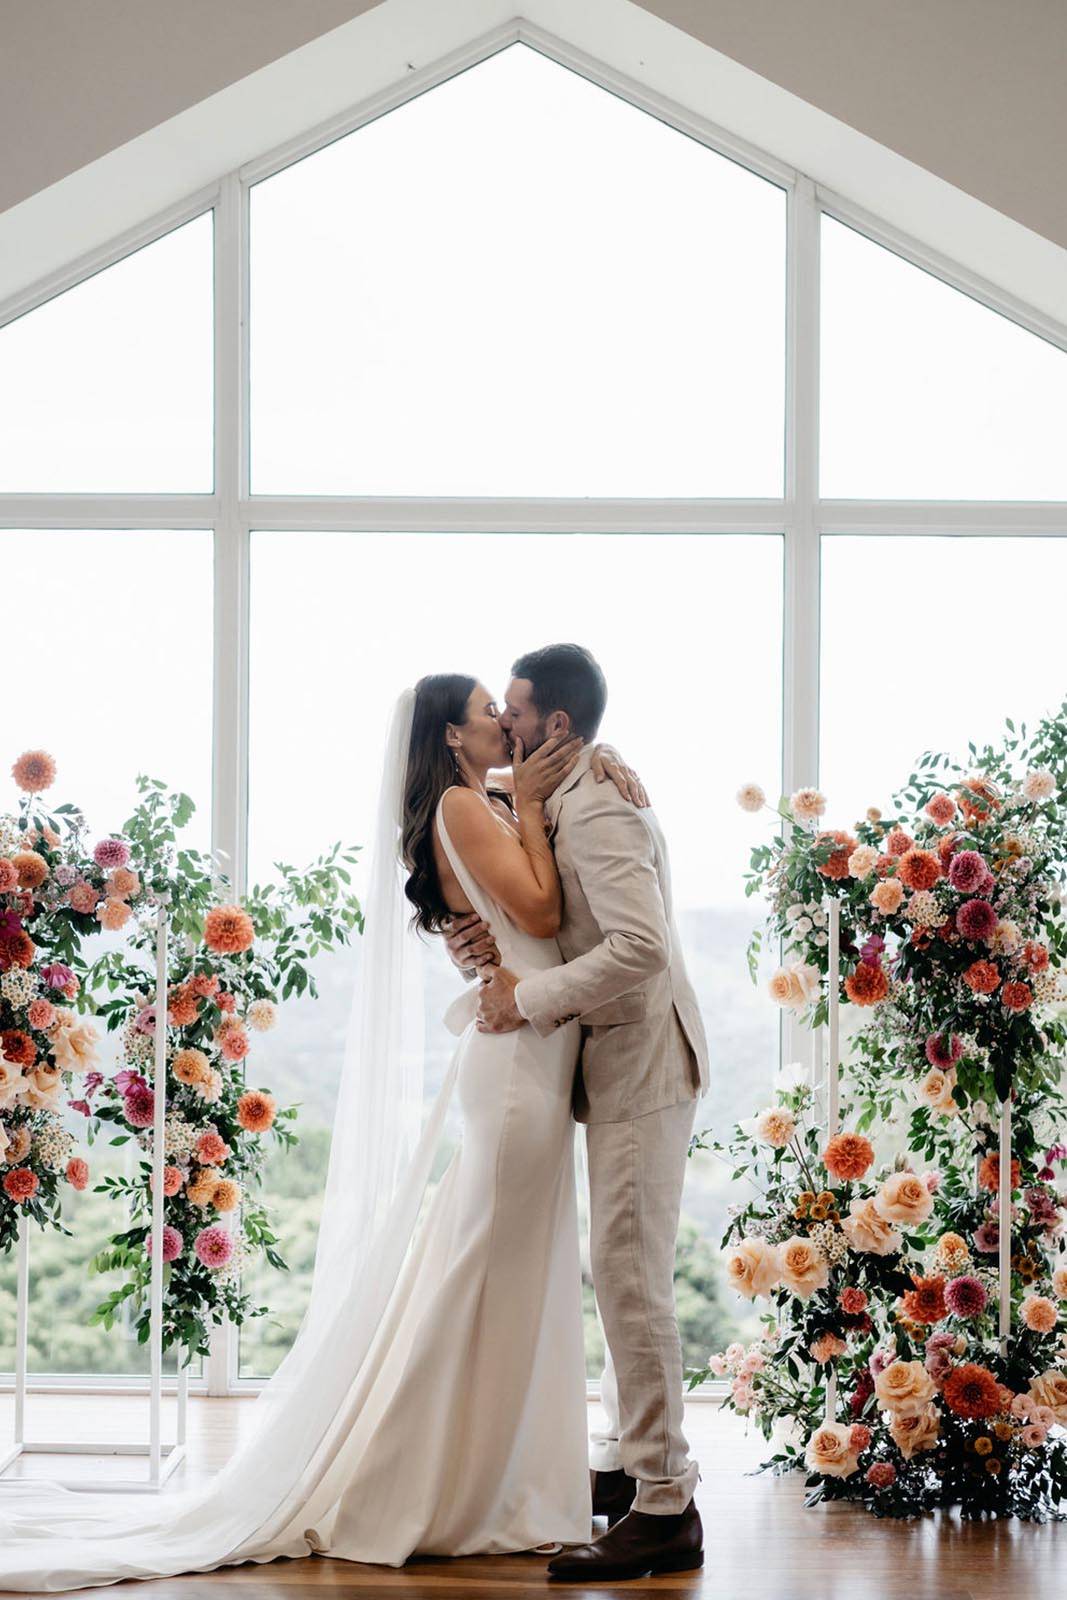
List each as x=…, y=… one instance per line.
x=565, y=677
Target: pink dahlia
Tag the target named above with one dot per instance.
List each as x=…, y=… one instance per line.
x=944, y=1050
x=139, y=1105
x=967, y=871
x=172, y=1243
x=881, y=1474
x=966, y=1296
x=976, y=919
x=213, y=1247
x=111, y=853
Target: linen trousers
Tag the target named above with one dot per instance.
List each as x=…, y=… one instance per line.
x=636, y=1172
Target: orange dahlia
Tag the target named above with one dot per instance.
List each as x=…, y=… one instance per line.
x=972, y=1391
x=191, y=1066
x=836, y=865
x=17, y=949
x=989, y=1172
x=848, y=1156
x=31, y=868
x=926, y=1302
x=17, y=1046
x=255, y=1111
x=919, y=869
x=982, y=977
x=182, y=1008
x=34, y=770
x=228, y=930
x=866, y=985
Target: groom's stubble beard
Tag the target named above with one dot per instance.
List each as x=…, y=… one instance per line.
x=537, y=738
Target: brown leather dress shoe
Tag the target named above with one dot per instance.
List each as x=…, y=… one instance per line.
x=613, y=1494
x=637, y=1546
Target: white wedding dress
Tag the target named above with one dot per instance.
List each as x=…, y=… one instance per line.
x=460, y=1427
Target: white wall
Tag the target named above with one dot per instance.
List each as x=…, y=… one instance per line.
x=972, y=90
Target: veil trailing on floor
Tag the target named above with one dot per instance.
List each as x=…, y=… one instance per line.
x=380, y=1163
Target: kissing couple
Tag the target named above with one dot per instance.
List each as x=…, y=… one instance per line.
x=434, y=1400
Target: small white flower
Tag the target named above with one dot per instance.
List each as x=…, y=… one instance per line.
x=794, y=911
x=820, y=939
x=803, y=925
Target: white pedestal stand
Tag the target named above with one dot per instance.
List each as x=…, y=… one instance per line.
x=1004, y=1215
x=833, y=1076
x=162, y=1459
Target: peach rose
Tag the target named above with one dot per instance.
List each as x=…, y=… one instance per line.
x=794, y=986
x=911, y=1434
x=935, y=1091
x=1050, y=1389
x=122, y=884
x=887, y=896
x=830, y=1451
x=775, y=1126
x=904, y=1198
x=1059, y=1282
x=905, y=1388
x=74, y=1046
x=113, y=914
x=865, y=1229
x=754, y=1267
x=804, y=1268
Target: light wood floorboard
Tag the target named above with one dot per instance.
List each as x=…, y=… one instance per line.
x=760, y=1542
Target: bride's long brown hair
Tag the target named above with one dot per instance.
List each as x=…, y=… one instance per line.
x=440, y=699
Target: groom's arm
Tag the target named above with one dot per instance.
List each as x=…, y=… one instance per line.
x=612, y=852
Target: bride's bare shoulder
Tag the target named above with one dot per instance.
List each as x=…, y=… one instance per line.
x=464, y=811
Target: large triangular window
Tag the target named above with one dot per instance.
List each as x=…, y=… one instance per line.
x=107, y=388
x=517, y=284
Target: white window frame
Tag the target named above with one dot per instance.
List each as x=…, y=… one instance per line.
x=232, y=511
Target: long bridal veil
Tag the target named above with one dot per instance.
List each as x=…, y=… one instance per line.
x=380, y=1163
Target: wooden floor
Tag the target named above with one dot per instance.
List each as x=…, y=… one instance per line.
x=760, y=1543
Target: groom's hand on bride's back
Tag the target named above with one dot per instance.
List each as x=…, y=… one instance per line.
x=470, y=943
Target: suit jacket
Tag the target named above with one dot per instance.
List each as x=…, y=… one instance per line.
x=624, y=978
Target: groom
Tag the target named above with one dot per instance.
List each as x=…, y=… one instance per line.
x=642, y=1069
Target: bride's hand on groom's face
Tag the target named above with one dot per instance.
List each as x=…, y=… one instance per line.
x=470, y=943
x=538, y=774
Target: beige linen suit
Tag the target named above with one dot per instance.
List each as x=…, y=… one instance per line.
x=642, y=1068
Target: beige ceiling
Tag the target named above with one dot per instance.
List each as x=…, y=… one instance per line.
x=972, y=90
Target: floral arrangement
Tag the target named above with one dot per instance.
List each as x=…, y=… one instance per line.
x=879, y=1369
x=54, y=891
x=231, y=964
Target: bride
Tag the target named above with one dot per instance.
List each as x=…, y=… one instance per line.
x=433, y=1401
